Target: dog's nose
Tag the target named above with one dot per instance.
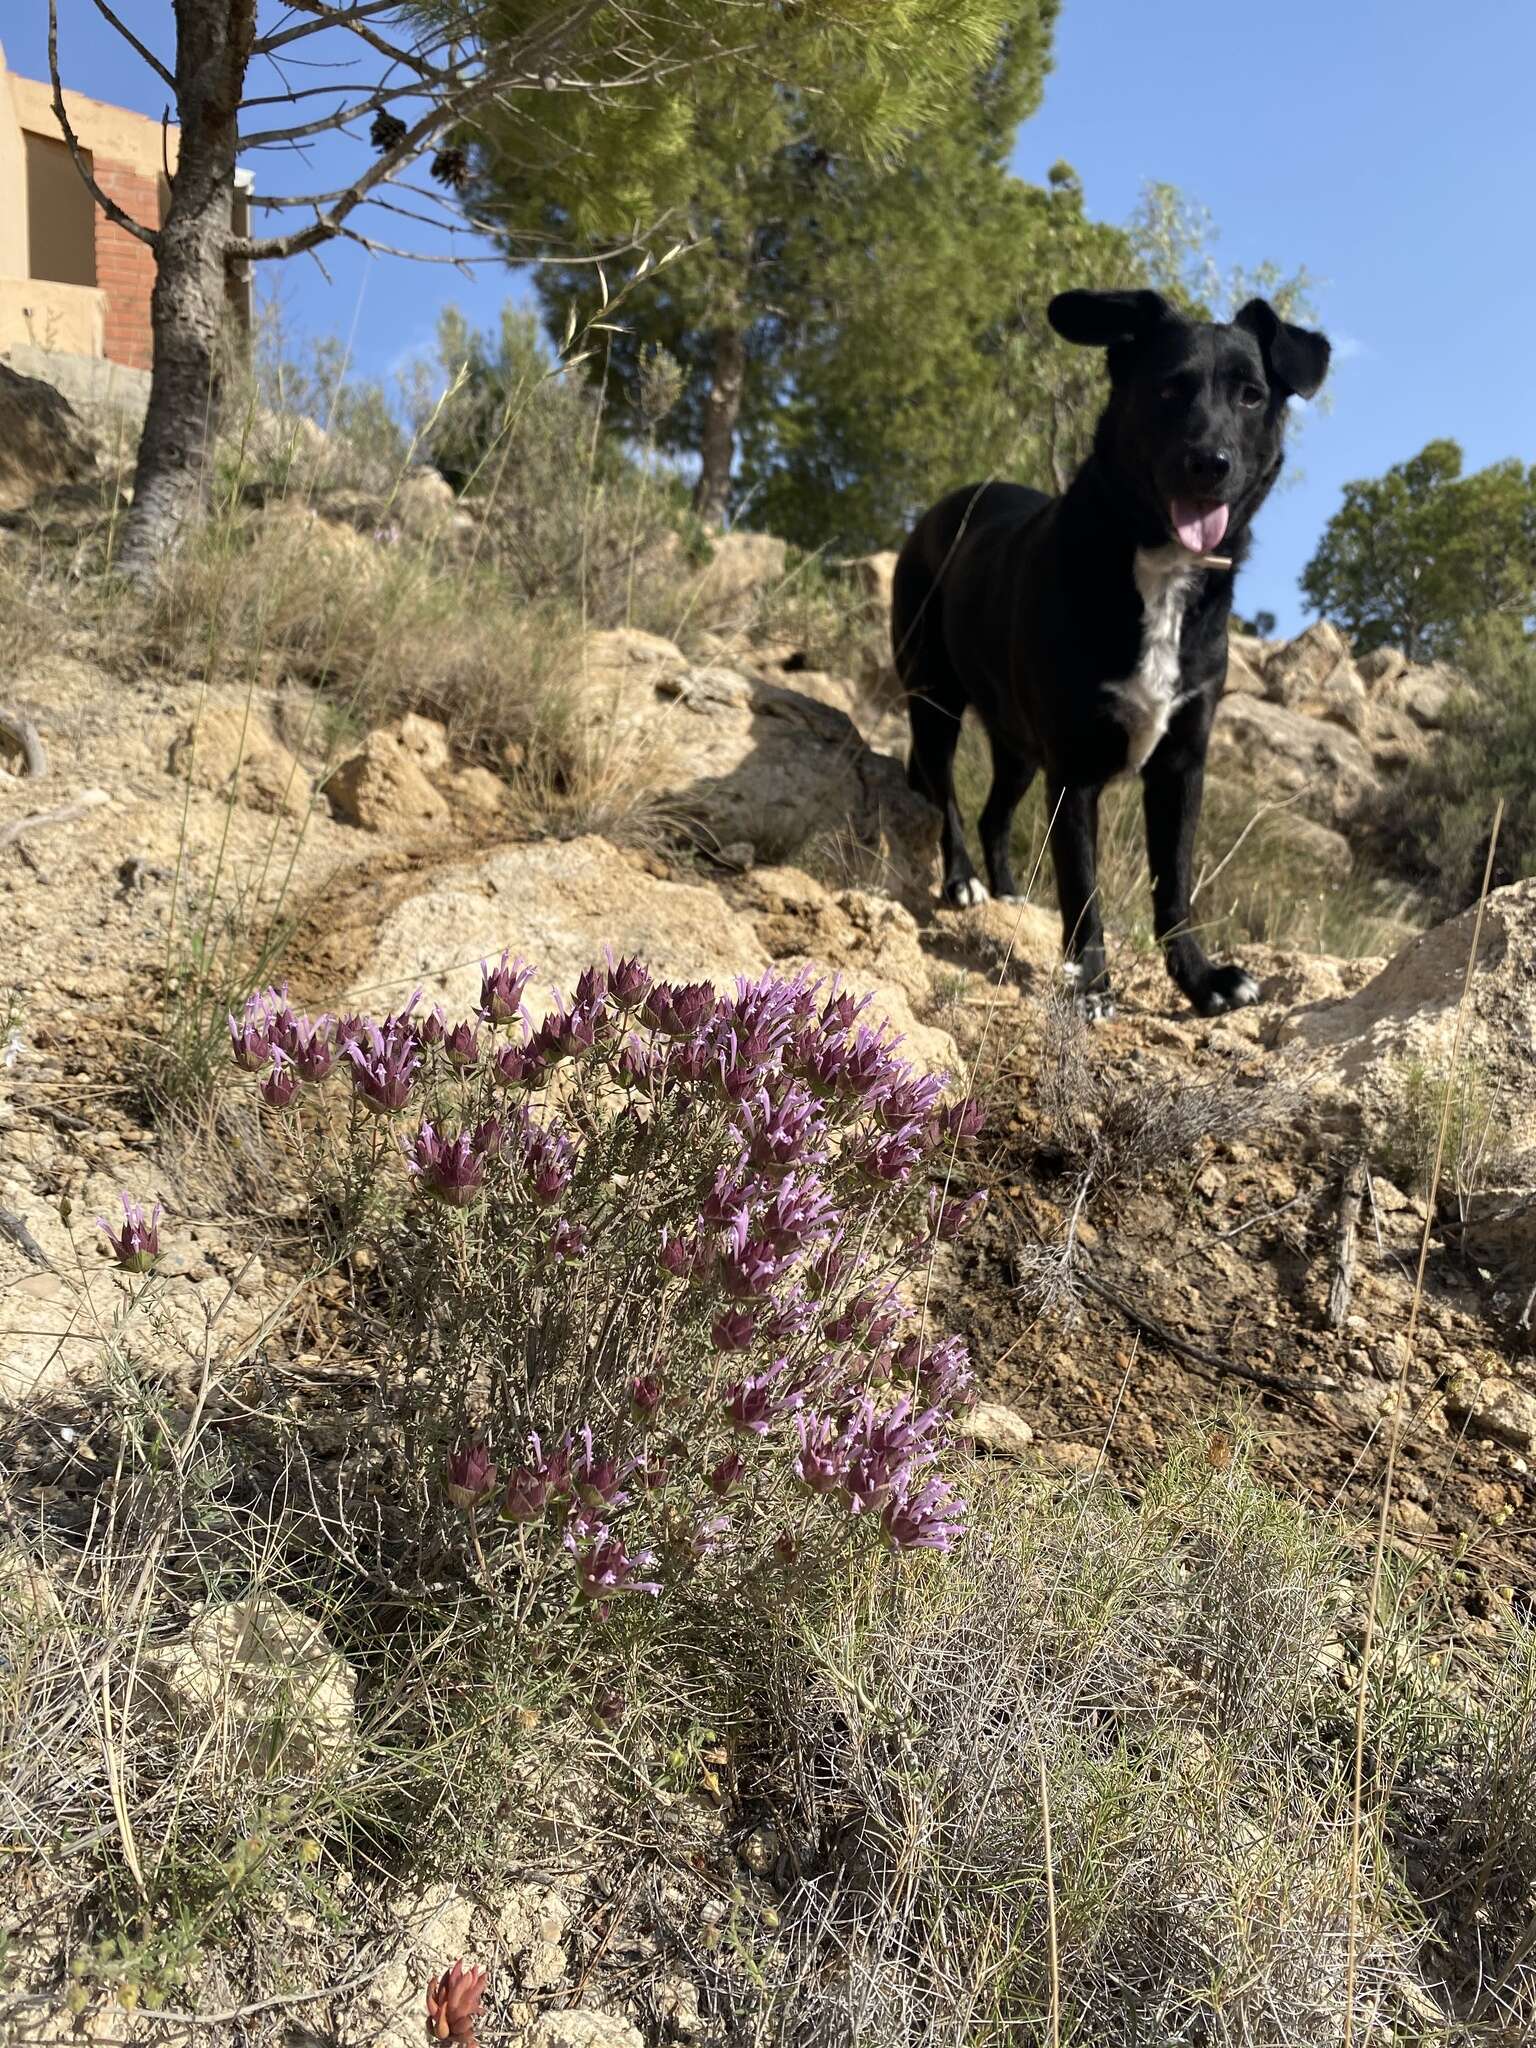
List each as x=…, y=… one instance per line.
x=1208, y=466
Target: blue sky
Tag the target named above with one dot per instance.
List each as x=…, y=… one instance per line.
x=1385, y=144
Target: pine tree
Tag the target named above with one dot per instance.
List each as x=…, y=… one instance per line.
x=803, y=206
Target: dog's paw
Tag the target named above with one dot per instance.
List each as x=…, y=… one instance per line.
x=1093, y=1005
x=966, y=893
x=1226, y=988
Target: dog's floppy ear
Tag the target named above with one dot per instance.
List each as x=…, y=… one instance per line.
x=1099, y=319
x=1295, y=359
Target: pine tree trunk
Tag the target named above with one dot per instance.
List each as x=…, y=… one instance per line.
x=722, y=409
x=187, y=313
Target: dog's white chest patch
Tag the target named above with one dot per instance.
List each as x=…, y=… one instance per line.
x=1149, y=696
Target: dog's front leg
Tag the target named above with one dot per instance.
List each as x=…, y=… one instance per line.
x=1171, y=799
x=1074, y=855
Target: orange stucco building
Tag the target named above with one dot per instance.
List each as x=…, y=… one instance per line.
x=71, y=283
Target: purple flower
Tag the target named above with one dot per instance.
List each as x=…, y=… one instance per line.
x=568, y=1241
x=501, y=989
x=433, y=1028
x=137, y=1245
x=708, y=1536
x=527, y=1495
x=941, y=1371
x=638, y=1065
x=947, y=1220
x=789, y=1132
x=385, y=1060
x=628, y=983
x=727, y=1475
x=785, y=1548
x=263, y=1023
x=872, y=1066
x=733, y=1330
x=565, y=1033
x=693, y=1005
x=728, y=1202
x=646, y=1394
x=311, y=1047
x=884, y=1450
x=452, y=1170
x=683, y=1258
x=829, y=1266
x=597, y=1481
x=785, y=1319
x=841, y=1010
x=605, y=1569
x=749, y=1266
x=609, y=1707
x=819, y=1060
x=657, y=1011
x=822, y=1462
x=470, y=1476
x=754, y=1404
x=280, y=1086
x=800, y=1207
x=929, y=1519
x=963, y=1121
x=548, y=1159
x=910, y=1101
x=514, y=1066
x=893, y=1157
x=461, y=1043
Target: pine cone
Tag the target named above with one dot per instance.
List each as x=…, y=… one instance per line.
x=387, y=131
x=450, y=167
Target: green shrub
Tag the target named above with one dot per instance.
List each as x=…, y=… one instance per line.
x=1435, y=820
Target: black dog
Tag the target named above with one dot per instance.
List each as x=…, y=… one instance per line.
x=1089, y=632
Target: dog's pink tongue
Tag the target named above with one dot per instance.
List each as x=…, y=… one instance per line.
x=1199, y=531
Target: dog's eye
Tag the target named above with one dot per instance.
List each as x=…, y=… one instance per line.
x=1170, y=394
x=1249, y=395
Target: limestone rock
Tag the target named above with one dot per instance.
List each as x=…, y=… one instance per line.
x=1379, y=669
x=230, y=749
x=738, y=757
x=264, y=1678
x=586, y=2028
x=1315, y=674
x=993, y=1426
x=384, y=788
x=740, y=568
x=1285, y=753
x=1245, y=666
x=1361, y=1049
x=531, y=1925
x=43, y=445
x=1494, y=1406
x=559, y=904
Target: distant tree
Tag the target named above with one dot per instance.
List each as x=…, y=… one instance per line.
x=1440, y=812
x=1174, y=237
x=413, y=81
x=1412, y=557
x=803, y=208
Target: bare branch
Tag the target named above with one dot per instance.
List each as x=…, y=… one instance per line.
x=333, y=211
x=160, y=70
x=109, y=207
x=322, y=17
x=272, y=138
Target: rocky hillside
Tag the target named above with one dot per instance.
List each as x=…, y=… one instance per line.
x=1217, y=1220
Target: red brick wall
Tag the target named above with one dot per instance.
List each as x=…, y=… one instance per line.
x=125, y=267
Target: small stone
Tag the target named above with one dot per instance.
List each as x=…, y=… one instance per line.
x=588, y=2028
x=992, y=1426
x=760, y=1851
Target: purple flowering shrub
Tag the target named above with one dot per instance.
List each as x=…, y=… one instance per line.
x=653, y=1272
